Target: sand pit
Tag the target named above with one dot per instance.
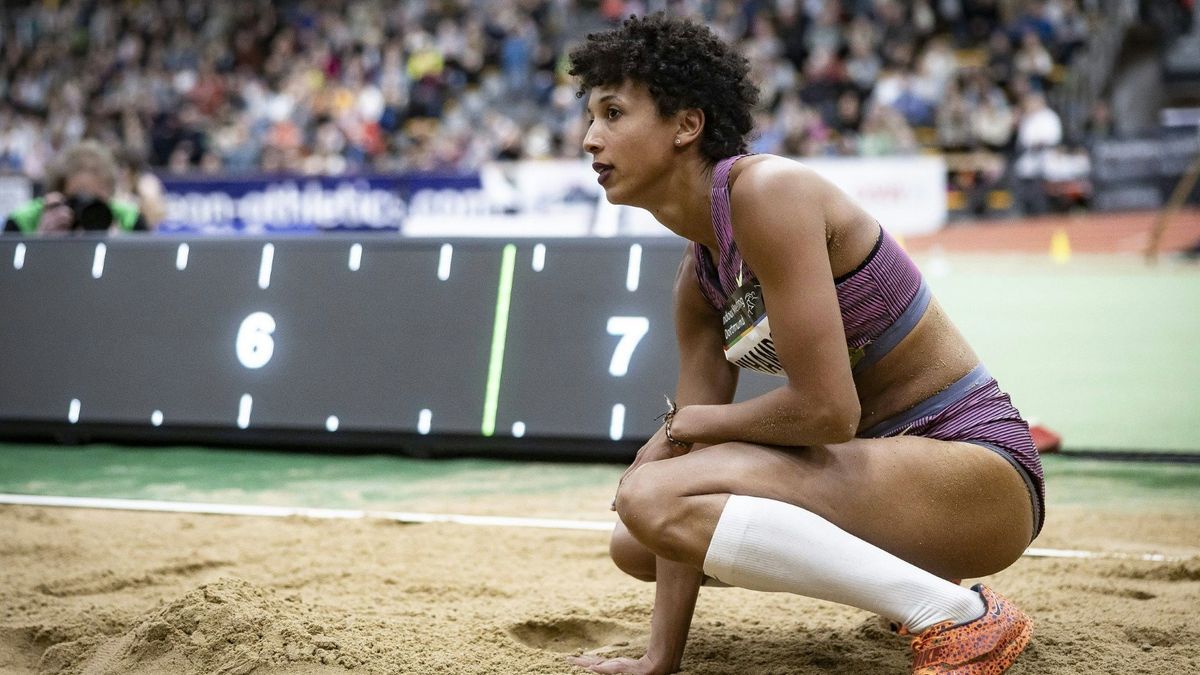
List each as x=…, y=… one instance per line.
x=98, y=592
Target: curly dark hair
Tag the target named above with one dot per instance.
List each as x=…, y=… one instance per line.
x=684, y=65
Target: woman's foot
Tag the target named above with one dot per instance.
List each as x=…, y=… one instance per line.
x=986, y=646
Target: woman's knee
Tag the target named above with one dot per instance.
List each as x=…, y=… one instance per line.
x=638, y=504
x=669, y=513
x=647, y=503
x=630, y=556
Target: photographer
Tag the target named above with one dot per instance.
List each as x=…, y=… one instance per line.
x=80, y=198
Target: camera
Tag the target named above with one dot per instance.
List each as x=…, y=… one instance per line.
x=90, y=212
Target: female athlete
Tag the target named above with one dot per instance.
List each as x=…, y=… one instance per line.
x=885, y=467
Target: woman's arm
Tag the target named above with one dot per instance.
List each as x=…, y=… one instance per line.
x=705, y=377
x=779, y=210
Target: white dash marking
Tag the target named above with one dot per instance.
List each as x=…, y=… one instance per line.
x=244, y=407
x=355, y=257
x=73, y=411
x=616, y=428
x=98, y=261
x=264, y=269
x=156, y=418
x=423, y=421
x=331, y=423
x=19, y=256
x=518, y=430
x=539, y=257
x=633, y=275
x=181, y=257
x=444, y=261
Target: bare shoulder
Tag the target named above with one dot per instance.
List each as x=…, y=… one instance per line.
x=775, y=192
x=772, y=198
x=774, y=178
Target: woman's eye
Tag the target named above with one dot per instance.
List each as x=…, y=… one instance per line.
x=613, y=113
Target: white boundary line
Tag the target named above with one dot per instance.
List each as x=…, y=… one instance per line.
x=415, y=517
x=290, y=511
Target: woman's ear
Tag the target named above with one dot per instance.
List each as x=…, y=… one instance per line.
x=691, y=125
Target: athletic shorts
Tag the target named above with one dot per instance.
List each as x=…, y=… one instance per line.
x=975, y=410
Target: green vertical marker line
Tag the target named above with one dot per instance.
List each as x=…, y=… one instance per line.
x=499, y=333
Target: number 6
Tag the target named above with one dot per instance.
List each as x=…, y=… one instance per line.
x=255, y=346
x=631, y=329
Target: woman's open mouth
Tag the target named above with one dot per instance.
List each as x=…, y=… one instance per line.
x=605, y=170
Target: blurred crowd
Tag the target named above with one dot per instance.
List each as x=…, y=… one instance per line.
x=337, y=86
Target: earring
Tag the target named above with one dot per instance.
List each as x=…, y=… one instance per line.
x=676, y=140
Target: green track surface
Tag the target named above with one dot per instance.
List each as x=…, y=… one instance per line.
x=1104, y=350
x=388, y=482
x=236, y=476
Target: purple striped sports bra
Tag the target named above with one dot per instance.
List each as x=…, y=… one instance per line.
x=880, y=301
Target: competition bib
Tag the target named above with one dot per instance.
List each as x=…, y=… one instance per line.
x=748, y=331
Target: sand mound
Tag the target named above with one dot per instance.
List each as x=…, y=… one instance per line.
x=228, y=627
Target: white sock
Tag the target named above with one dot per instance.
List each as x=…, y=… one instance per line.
x=768, y=545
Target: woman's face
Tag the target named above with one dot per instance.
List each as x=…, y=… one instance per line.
x=629, y=141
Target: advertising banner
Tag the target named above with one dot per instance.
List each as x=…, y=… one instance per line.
x=547, y=198
x=907, y=195
x=298, y=204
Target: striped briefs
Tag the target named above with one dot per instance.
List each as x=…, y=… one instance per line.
x=975, y=410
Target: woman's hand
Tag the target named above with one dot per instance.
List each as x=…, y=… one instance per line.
x=658, y=447
x=600, y=664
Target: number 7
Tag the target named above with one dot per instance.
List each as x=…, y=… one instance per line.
x=631, y=329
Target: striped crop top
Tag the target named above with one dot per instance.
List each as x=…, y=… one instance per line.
x=880, y=301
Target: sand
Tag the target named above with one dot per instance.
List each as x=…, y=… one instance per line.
x=100, y=592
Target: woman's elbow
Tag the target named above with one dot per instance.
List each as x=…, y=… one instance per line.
x=841, y=422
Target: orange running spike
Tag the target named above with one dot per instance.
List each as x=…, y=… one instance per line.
x=986, y=646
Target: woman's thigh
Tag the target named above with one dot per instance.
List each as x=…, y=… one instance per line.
x=957, y=510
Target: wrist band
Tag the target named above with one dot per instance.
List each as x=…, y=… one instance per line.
x=667, y=418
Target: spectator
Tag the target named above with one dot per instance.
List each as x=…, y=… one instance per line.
x=1071, y=29
x=937, y=65
x=1000, y=58
x=992, y=123
x=1033, y=60
x=824, y=78
x=81, y=198
x=885, y=132
x=1039, y=133
x=1032, y=18
x=299, y=86
x=954, y=120
x=863, y=65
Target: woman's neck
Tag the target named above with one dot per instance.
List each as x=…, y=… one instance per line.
x=684, y=203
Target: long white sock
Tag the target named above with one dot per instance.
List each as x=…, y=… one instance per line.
x=768, y=545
